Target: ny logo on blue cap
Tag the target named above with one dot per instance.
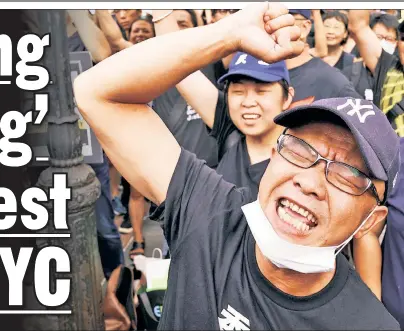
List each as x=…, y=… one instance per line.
x=242, y=59
x=356, y=109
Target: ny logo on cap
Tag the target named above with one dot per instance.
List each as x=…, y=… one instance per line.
x=242, y=59
x=356, y=109
x=395, y=180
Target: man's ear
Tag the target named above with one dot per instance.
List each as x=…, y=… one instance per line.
x=303, y=102
x=379, y=215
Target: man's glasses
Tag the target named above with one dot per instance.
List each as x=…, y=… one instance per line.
x=343, y=176
x=387, y=38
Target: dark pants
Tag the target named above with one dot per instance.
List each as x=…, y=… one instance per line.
x=109, y=241
x=125, y=196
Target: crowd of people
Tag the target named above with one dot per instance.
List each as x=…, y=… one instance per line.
x=265, y=141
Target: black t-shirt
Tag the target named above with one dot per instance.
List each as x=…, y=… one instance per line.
x=355, y=51
x=361, y=78
x=214, y=278
x=344, y=60
x=234, y=162
x=185, y=124
x=317, y=79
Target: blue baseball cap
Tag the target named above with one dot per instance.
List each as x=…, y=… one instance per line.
x=304, y=12
x=378, y=142
x=243, y=64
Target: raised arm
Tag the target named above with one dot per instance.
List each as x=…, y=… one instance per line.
x=197, y=90
x=111, y=31
x=367, y=41
x=92, y=37
x=321, y=48
x=112, y=95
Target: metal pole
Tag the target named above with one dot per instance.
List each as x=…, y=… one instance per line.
x=64, y=146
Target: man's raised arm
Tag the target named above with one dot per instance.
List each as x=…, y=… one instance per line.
x=198, y=91
x=367, y=41
x=112, y=95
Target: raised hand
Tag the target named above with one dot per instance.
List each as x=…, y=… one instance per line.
x=266, y=31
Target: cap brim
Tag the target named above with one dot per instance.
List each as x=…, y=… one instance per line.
x=304, y=114
x=258, y=75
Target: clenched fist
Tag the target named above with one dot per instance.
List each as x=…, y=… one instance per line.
x=266, y=31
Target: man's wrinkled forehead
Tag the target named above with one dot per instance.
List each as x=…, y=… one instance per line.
x=331, y=140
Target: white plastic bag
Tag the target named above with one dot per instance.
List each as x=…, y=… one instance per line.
x=155, y=269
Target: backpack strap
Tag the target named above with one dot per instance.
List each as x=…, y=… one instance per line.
x=147, y=306
x=396, y=111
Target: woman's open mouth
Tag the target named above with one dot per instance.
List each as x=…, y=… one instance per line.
x=250, y=116
x=296, y=216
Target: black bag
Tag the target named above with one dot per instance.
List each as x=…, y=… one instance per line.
x=150, y=309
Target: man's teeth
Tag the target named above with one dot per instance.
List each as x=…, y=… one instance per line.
x=292, y=221
x=250, y=116
x=283, y=214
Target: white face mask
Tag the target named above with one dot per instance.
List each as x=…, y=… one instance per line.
x=284, y=254
x=387, y=46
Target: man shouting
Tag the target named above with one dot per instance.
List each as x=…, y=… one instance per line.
x=238, y=262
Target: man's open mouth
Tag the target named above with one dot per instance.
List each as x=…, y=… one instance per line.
x=295, y=215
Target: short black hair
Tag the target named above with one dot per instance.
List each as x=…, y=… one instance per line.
x=389, y=21
x=191, y=12
x=341, y=17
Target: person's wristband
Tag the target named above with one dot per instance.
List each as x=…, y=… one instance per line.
x=155, y=20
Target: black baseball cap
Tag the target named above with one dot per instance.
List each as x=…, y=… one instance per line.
x=378, y=142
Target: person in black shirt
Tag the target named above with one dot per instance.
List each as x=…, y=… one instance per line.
x=385, y=27
x=336, y=30
x=310, y=76
x=241, y=120
x=241, y=117
x=235, y=264
x=255, y=93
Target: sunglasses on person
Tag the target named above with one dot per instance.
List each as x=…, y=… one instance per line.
x=343, y=176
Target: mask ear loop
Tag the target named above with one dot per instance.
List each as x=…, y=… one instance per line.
x=356, y=231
